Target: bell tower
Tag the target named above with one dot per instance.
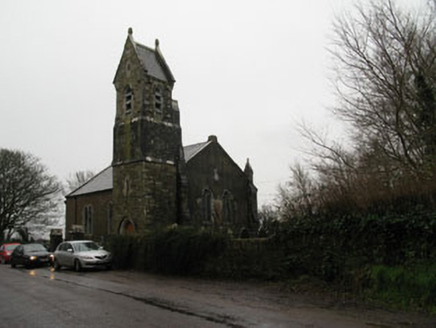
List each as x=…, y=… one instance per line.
x=148, y=177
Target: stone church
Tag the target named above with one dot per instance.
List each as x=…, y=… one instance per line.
x=154, y=181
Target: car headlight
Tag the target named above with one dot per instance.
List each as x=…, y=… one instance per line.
x=33, y=258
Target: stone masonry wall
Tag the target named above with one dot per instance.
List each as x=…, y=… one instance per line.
x=214, y=170
x=100, y=203
x=145, y=193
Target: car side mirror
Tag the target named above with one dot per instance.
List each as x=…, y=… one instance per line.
x=70, y=250
x=101, y=247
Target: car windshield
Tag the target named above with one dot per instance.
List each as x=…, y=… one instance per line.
x=86, y=247
x=34, y=248
x=10, y=247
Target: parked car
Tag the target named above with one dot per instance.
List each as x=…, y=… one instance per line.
x=6, y=251
x=81, y=254
x=30, y=255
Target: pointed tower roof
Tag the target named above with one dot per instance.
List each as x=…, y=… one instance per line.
x=248, y=170
x=151, y=60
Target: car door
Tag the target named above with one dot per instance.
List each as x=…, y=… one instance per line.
x=59, y=254
x=18, y=255
x=62, y=254
x=69, y=255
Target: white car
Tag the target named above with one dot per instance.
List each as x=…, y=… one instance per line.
x=81, y=254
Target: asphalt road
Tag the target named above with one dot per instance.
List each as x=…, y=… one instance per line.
x=43, y=298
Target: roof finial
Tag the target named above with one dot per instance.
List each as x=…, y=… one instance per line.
x=156, y=43
x=248, y=170
x=130, y=31
x=212, y=138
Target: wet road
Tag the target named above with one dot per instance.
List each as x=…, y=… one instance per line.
x=43, y=298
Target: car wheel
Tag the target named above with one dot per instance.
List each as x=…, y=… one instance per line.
x=3, y=260
x=56, y=265
x=77, y=266
x=108, y=267
x=13, y=265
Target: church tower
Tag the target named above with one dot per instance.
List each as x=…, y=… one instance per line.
x=148, y=179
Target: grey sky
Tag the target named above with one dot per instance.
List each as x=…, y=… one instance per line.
x=246, y=71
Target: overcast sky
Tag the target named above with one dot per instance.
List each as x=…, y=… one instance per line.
x=247, y=71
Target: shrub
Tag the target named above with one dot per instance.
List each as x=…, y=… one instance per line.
x=406, y=287
x=176, y=251
x=185, y=250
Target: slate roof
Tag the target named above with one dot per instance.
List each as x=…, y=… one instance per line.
x=150, y=61
x=103, y=180
x=100, y=182
x=192, y=150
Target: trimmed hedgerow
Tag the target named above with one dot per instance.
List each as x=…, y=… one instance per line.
x=175, y=251
x=370, y=255
x=186, y=251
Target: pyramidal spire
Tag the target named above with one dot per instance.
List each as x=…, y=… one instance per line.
x=249, y=171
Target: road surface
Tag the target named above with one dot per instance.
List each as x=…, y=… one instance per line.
x=44, y=298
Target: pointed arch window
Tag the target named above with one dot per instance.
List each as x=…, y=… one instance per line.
x=126, y=188
x=128, y=71
x=88, y=213
x=228, y=208
x=109, y=218
x=207, y=205
x=128, y=98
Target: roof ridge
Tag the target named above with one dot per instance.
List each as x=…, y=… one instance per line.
x=196, y=144
x=144, y=46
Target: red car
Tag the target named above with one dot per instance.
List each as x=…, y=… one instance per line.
x=6, y=251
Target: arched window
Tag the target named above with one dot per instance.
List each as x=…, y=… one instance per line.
x=158, y=99
x=126, y=187
x=228, y=208
x=128, y=69
x=127, y=227
x=128, y=98
x=207, y=205
x=88, y=213
x=109, y=218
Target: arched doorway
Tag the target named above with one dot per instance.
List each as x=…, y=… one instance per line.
x=127, y=227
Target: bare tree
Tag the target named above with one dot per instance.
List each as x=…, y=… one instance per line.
x=77, y=179
x=26, y=190
x=297, y=197
x=330, y=178
x=385, y=80
x=269, y=220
